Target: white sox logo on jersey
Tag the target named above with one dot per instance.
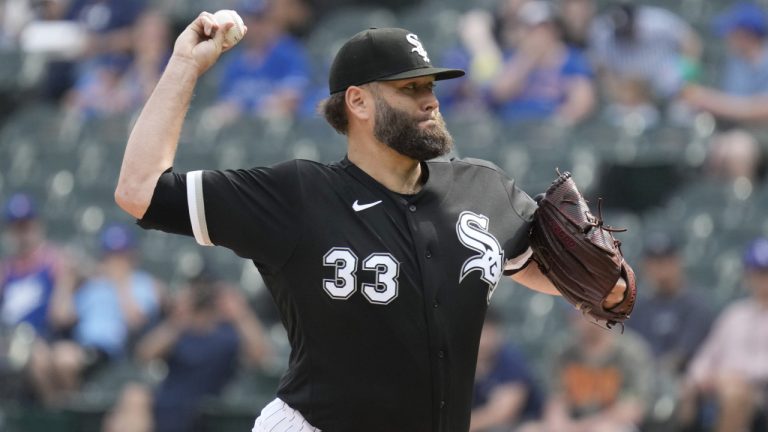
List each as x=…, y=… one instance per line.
x=414, y=40
x=472, y=230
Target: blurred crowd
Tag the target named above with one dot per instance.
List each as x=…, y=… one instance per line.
x=680, y=365
x=64, y=318
x=71, y=317
x=623, y=63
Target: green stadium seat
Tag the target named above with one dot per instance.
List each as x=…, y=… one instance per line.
x=337, y=26
x=11, y=62
x=30, y=418
x=436, y=24
x=104, y=387
x=186, y=10
x=476, y=138
x=315, y=135
x=250, y=142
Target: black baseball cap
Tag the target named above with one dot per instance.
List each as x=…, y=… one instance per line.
x=383, y=54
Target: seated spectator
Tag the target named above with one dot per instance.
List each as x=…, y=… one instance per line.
x=105, y=312
x=728, y=377
x=734, y=154
x=14, y=15
x=266, y=74
x=602, y=382
x=643, y=55
x=543, y=77
x=505, y=393
x=577, y=17
x=108, y=21
x=740, y=101
x=29, y=277
x=539, y=77
x=295, y=16
x=108, y=28
x=102, y=90
x=743, y=91
x=671, y=318
x=209, y=330
x=121, y=83
x=151, y=49
x=480, y=55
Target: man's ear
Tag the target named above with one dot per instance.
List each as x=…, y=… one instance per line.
x=359, y=102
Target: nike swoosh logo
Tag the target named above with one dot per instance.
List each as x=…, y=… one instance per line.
x=360, y=207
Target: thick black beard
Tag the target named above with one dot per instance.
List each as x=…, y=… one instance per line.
x=401, y=132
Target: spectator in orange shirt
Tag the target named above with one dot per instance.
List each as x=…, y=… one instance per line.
x=602, y=382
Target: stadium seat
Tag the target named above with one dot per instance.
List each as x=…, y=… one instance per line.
x=667, y=138
x=103, y=388
x=186, y=10
x=476, y=137
x=30, y=418
x=436, y=23
x=613, y=143
x=10, y=67
x=314, y=137
x=236, y=409
x=336, y=27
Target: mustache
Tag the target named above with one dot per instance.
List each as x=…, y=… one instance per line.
x=434, y=116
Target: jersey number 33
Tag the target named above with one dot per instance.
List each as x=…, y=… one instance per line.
x=343, y=285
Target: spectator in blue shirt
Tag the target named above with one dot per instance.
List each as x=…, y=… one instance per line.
x=643, y=55
x=266, y=74
x=105, y=312
x=526, y=72
x=742, y=99
x=543, y=78
x=32, y=271
x=505, y=393
x=31, y=276
x=744, y=84
x=109, y=28
x=121, y=83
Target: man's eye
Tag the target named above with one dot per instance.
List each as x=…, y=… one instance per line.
x=413, y=87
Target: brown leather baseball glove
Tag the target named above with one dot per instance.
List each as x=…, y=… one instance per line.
x=579, y=254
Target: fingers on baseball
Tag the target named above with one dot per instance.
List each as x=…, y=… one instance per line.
x=200, y=26
x=212, y=30
x=224, y=30
x=208, y=24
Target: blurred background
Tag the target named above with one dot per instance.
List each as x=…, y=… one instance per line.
x=657, y=107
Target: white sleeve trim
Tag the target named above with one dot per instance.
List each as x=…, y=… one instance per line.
x=519, y=261
x=197, y=207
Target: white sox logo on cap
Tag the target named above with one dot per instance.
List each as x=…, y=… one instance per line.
x=419, y=48
x=383, y=54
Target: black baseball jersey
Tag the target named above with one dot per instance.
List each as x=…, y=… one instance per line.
x=383, y=295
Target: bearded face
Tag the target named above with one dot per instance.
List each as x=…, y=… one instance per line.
x=401, y=132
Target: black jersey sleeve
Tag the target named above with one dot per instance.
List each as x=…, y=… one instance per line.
x=517, y=249
x=168, y=209
x=254, y=212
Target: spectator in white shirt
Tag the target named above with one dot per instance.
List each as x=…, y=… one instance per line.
x=731, y=368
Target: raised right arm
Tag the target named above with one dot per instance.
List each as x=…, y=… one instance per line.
x=152, y=143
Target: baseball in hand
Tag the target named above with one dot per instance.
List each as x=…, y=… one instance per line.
x=236, y=32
